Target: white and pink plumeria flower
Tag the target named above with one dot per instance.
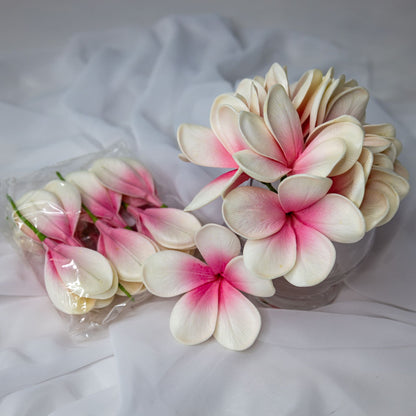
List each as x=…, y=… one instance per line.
x=277, y=147
x=99, y=200
x=289, y=233
x=126, y=249
x=169, y=227
x=212, y=304
x=129, y=178
x=268, y=129
x=54, y=211
x=73, y=275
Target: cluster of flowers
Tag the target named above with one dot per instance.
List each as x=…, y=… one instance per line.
x=323, y=174
x=97, y=227
x=100, y=231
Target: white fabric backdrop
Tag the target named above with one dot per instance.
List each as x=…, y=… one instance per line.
x=355, y=357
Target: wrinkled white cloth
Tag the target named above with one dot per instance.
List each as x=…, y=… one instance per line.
x=354, y=357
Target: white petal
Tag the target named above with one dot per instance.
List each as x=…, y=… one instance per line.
x=170, y=273
x=194, y=316
x=202, y=147
x=383, y=161
x=69, y=198
x=351, y=184
x=392, y=197
x=102, y=202
x=239, y=322
x=85, y=272
x=347, y=129
x=320, y=158
x=61, y=297
x=318, y=101
x=126, y=249
x=315, y=257
x=312, y=105
x=375, y=207
x=260, y=167
x=103, y=303
x=272, y=256
x=214, y=189
x=283, y=120
x=305, y=87
x=352, y=101
x=277, y=75
x=239, y=276
x=300, y=191
x=366, y=160
x=253, y=212
x=217, y=245
x=336, y=217
x=112, y=290
x=376, y=143
x=399, y=184
x=259, y=138
x=385, y=129
x=171, y=227
x=224, y=121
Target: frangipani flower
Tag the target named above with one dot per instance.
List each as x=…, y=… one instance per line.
x=127, y=177
x=262, y=130
x=169, y=227
x=277, y=146
x=126, y=249
x=212, y=303
x=289, y=232
x=54, y=212
x=102, y=202
x=84, y=272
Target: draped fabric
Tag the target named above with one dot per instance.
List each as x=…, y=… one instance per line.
x=354, y=357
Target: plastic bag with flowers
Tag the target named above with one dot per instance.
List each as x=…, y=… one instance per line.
x=87, y=226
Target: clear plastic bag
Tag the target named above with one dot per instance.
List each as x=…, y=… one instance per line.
x=65, y=253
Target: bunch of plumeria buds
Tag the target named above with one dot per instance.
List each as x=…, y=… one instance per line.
x=96, y=228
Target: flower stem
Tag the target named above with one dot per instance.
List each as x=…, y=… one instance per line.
x=41, y=236
x=269, y=185
x=125, y=291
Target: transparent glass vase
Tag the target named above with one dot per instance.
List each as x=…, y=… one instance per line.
x=349, y=256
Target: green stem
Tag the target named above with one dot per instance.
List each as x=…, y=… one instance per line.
x=125, y=291
x=58, y=174
x=40, y=235
x=269, y=185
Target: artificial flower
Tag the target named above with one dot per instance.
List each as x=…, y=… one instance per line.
x=212, y=303
x=289, y=233
x=54, y=214
x=99, y=200
x=84, y=272
x=268, y=129
x=277, y=145
x=128, y=177
x=126, y=249
x=168, y=227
